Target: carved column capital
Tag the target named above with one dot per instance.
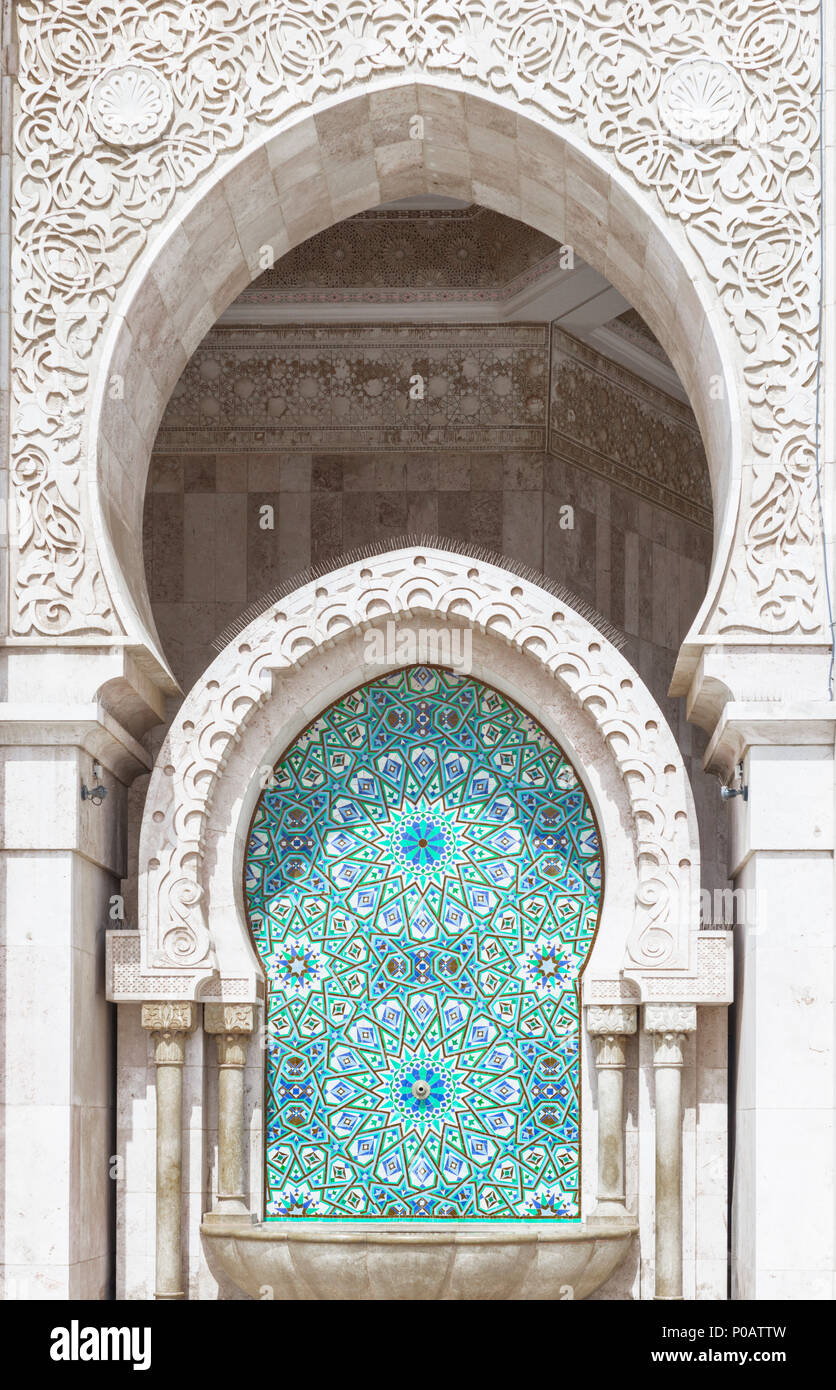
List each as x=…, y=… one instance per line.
x=611, y=1018
x=169, y=1024
x=669, y=1023
x=231, y=1025
x=609, y=1026
x=228, y=1018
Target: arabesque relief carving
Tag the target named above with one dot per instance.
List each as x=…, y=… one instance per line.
x=745, y=200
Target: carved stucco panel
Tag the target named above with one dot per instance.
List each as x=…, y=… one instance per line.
x=402, y=254
x=348, y=388
x=745, y=200
x=179, y=808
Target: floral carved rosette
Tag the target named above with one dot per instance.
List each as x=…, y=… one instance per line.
x=130, y=105
x=124, y=107
x=701, y=100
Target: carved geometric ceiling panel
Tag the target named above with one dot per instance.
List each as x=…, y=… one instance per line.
x=428, y=248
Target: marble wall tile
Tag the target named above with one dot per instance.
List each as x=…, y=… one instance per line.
x=295, y=473
x=199, y=518
x=231, y=472
x=263, y=472
x=522, y=526
x=454, y=514
x=326, y=473
x=199, y=473
x=422, y=473
x=166, y=473
x=391, y=508
x=487, y=472
x=422, y=513
x=453, y=471
x=164, y=526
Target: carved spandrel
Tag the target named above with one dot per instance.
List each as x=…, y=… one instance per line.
x=610, y=74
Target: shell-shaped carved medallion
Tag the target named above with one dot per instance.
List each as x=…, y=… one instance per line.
x=700, y=100
x=130, y=105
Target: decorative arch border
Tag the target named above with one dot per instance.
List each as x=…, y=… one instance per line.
x=145, y=145
x=193, y=940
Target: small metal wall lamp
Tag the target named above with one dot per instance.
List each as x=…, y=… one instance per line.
x=95, y=794
x=728, y=792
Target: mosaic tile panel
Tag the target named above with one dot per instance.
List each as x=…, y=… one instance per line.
x=423, y=880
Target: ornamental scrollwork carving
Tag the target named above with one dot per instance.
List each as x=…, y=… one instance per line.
x=100, y=159
x=389, y=587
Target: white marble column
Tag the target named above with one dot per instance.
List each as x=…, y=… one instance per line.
x=169, y=1024
x=782, y=863
x=610, y=1025
x=231, y=1025
x=61, y=863
x=669, y=1023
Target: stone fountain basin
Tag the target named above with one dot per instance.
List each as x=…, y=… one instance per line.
x=417, y=1260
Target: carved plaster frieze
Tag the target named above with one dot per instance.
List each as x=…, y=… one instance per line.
x=315, y=388
x=179, y=807
x=744, y=202
x=631, y=326
x=478, y=253
x=605, y=419
x=334, y=388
